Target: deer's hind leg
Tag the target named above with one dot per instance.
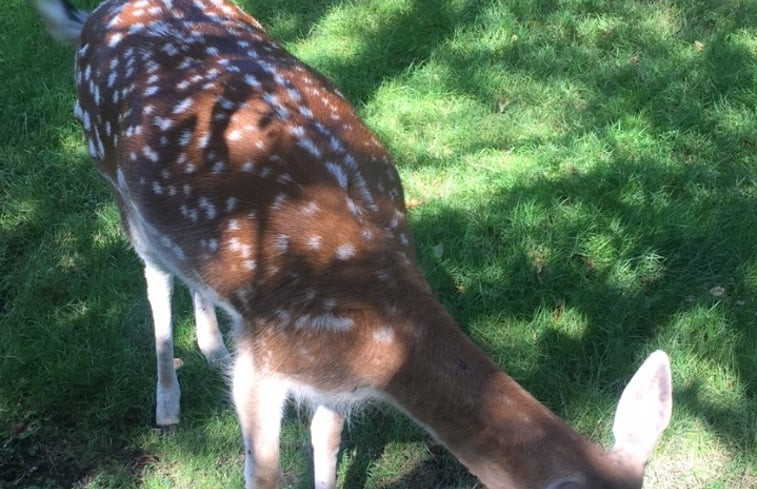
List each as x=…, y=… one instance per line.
x=325, y=435
x=209, y=337
x=168, y=393
x=259, y=399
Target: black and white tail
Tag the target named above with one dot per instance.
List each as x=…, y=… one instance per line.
x=63, y=20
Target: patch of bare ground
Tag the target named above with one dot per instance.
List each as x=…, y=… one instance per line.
x=694, y=467
x=30, y=457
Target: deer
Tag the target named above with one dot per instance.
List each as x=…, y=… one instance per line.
x=246, y=174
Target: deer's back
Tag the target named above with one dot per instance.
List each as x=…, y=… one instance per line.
x=236, y=166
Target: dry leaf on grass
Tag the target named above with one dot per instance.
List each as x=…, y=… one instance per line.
x=717, y=291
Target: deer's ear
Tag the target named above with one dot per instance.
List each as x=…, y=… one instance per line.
x=644, y=409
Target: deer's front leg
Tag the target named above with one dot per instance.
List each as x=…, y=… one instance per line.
x=209, y=337
x=259, y=400
x=325, y=435
x=159, y=290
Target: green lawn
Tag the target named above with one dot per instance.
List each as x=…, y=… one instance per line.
x=583, y=184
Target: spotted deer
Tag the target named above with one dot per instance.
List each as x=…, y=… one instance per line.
x=245, y=173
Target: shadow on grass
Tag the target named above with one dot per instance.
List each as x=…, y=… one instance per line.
x=620, y=320
x=406, y=38
x=701, y=231
x=288, y=21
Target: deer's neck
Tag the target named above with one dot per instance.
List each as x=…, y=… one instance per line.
x=498, y=430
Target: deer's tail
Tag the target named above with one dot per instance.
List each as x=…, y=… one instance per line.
x=63, y=20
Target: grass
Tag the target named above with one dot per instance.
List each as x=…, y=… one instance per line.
x=583, y=184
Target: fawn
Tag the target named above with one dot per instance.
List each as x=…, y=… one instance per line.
x=245, y=173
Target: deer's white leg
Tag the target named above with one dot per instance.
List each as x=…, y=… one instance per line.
x=259, y=401
x=325, y=435
x=159, y=290
x=209, y=336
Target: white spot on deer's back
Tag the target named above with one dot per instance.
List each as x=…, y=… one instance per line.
x=170, y=49
x=310, y=209
x=397, y=217
x=314, y=242
x=150, y=154
x=384, y=334
x=136, y=27
x=294, y=94
x=235, y=245
x=115, y=39
x=227, y=104
x=78, y=111
x=202, y=142
x=279, y=201
x=283, y=316
x=99, y=142
x=179, y=252
x=338, y=173
x=252, y=81
x=308, y=145
x=281, y=243
x=207, y=207
x=183, y=106
x=86, y=122
x=345, y=252
x=120, y=178
x=163, y=123
x=185, y=138
x=324, y=322
x=271, y=99
x=353, y=207
x=231, y=204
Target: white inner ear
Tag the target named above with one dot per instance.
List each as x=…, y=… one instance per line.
x=644, y=409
